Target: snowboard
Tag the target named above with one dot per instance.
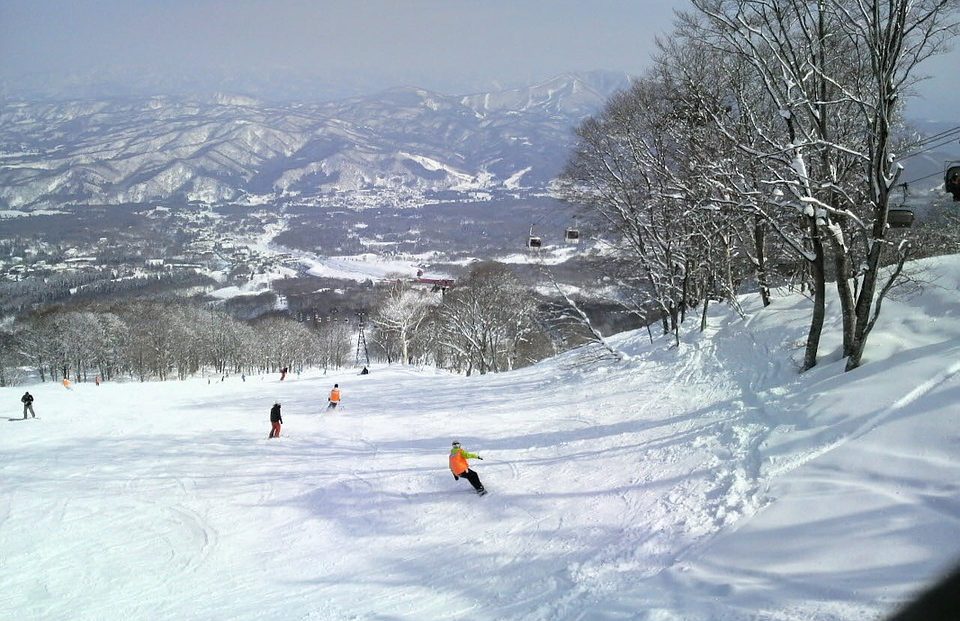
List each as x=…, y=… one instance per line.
x=31, y=418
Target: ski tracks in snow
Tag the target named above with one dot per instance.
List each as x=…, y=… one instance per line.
x=734, y=428
x=663, y=511
x=842, y=434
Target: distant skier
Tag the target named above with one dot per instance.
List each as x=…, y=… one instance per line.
x=283, y=373
x=365, y=371
x=460, y=468
x=66, y=384
x=27, y=400
x=334, y=397
x=96, y=380
x=275, y=421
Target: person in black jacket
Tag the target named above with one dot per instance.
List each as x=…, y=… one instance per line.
x=27, y=400
x=275, y=421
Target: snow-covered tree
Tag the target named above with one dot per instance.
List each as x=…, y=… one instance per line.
x=838, y=72
x=759, y=116
x=334, y=343
x=109, y=338
x=9, y=358
x=400, y=315
x=486, y=319
x=646, y=167
x=35, y=338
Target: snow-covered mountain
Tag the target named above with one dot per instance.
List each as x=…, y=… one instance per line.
x=230, y=148
x=705, y=482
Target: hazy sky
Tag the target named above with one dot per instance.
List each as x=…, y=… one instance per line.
x=445, y=42
x=446, y=45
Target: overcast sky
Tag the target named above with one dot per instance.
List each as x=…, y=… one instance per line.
x=448, y=45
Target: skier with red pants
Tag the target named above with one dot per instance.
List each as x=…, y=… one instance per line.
x=460, y=468
x=275, y=421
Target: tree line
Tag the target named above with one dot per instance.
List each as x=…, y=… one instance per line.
x=159, y=339
x=489, y=322
x=16, y=296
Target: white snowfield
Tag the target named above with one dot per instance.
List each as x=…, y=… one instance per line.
x=706, y=483
x=360, y=267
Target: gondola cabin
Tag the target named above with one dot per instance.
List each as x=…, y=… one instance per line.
x=951, y=180
x=534, y=242
x=900, y=218
x=572, y=236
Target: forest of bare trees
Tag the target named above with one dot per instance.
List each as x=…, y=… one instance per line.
x=489, y=322
x=163, y=340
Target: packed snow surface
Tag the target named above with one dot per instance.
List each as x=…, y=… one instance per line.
x=703, y=482
x=361, y=267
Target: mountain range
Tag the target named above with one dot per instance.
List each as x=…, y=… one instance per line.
x=236, y=149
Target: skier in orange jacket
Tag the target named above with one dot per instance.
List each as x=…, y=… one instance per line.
x=460, y=468
x=334, y=397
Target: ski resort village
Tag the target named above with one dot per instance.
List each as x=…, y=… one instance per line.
x=439, y=311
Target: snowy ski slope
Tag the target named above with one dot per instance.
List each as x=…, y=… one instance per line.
x=705, y=483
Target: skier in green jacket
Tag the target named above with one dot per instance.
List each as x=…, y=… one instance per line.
x=460, y=468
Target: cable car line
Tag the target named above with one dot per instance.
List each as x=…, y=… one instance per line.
x=938, y=135
x=944, y=143
x=912, y=181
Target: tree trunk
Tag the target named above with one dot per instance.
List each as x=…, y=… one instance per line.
x=882, y=186
x=864, y=305
x=759, y=234
x=819, y=300
x=841, y=265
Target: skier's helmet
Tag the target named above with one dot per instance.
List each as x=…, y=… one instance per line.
x=456, y=444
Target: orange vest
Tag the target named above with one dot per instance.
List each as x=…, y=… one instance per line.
x=335, y=395
x=458, y=463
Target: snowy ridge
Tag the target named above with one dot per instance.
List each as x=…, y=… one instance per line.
x=709, y=482
x=228, y=147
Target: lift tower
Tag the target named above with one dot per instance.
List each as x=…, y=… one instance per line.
x=362, y=342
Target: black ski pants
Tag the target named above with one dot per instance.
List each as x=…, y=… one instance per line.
x=474, y=479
